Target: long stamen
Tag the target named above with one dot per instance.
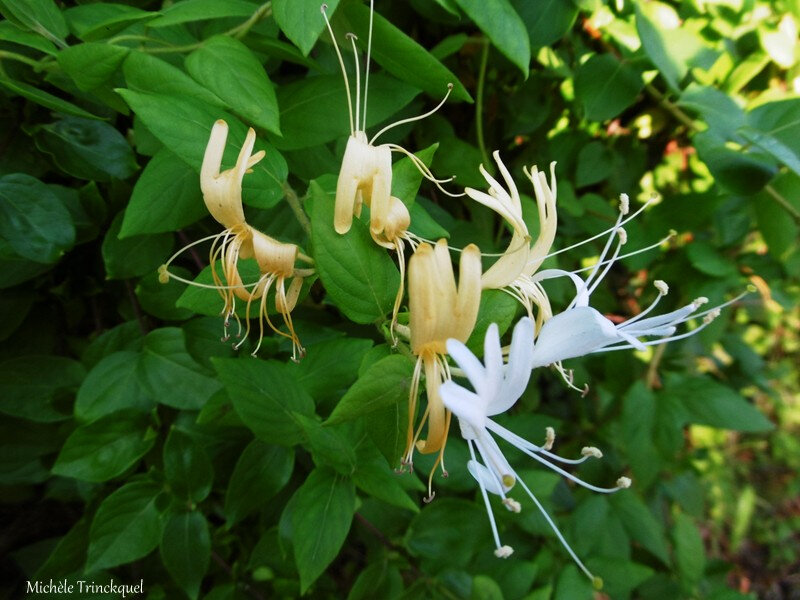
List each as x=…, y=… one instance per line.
x=632, y=253
x=662, y=291
x=501, y=551
x=595, y=580
x=426, y=173
x=516, y=440
x=606, y=232
x=583, y=292
x=707, y=319
x=353, y=37
x=324, y=9
x=412, y=119
x=366, y=64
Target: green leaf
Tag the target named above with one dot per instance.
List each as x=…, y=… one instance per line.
x=639, y=423
x=189, y=11
x=33, y=220
x=41, y=16
x=359, y=276
x=186, y=550
x=150, y=75
x=266, y=397
x=447, y=532
x=127, y=526
x=112, y=385
x=640, y=524
x=159, y=300
x=12, y=33
x=45, y=99
x=547, y=20
x=376, y=479
x=705, y=258
x=707, y=402
x=330, y=366
x=385, y=383
x=105, y=448
x=166, y=197
x=184, y=125
x=187, y=468
x=101, y=20
x=135, y=255
x=620, y=576
x=606, y=86
x=780, y=234
x=594, y=164
x=228, y=68
x=403, y=57
x=501, y=23
x=734, y=170
x=717, y=108
x=87, y=149
x=301, y=21
x=261, y=472
x=170, y=374
x=690, y=555
x=495, y=307
x=25, y=393
x=91, y=64
x=423, y=224
x=671, y=47
x=323, y=510
x=314, y=110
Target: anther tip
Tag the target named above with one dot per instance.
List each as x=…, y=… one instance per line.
x=449, y=86
x=711, y=316
x=323, y=7
x=351, y=36
x=751, y=288
x=591, y=451
x=429, y=499
x=623, y=235
x=661, y=286
x=597, y=583
x=504, y=552
x=163, y=274
x=624, y=482
x=624, y=204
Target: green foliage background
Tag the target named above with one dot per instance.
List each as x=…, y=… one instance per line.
x=136, y=445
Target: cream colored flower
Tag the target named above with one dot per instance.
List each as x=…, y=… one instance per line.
x=366, y=172
x=438, y=310
x=222, y=194
x=513, y=270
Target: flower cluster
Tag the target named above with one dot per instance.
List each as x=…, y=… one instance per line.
x=442, y=312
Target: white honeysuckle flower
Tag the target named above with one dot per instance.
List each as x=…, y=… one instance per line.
x=366, y=172
x=582, y=330
x=496, y=388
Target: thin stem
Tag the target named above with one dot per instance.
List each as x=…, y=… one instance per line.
x=783, y=202
x=297, y=208
x=20, y=58
x=137, y=309
x=240, y=31
x=670, y=107
x=479, y=104
x=652, y=380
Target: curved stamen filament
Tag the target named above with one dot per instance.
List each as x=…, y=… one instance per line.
x=489, y=511
x=556, y=530
x=616, y=226
x=412, y=119
x=324, y=9
x=353, y=37
x=366, y=64
x=632, y=253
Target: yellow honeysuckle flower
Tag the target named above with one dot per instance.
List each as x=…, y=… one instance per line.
x=438, y=310
x=366, y=172
x=514, y=269
x=222, y=194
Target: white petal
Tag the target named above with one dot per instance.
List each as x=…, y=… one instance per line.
x=469, y=363
x=484, y=476
x=464, y=404
x=518, y=371
x=574, y=332
x=493, y=361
